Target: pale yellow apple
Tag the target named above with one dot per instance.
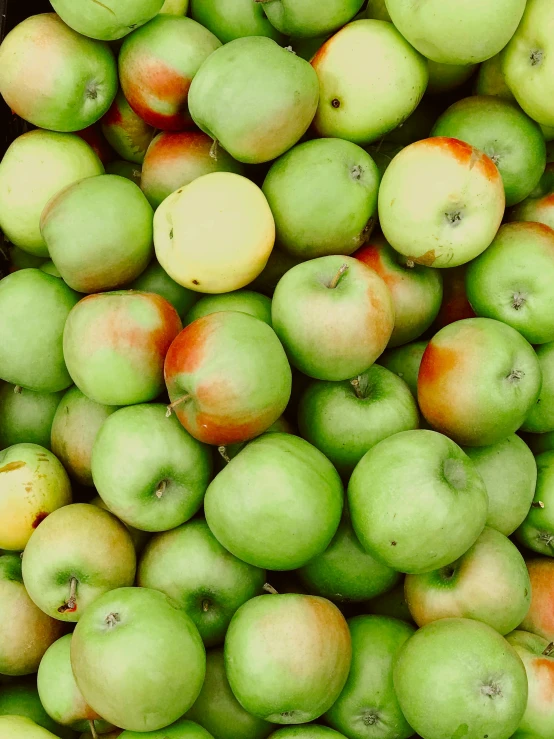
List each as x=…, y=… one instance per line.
x=21, y=727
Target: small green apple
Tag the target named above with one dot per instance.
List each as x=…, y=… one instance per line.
x=541, y=418
x=155, y=279
x=130, y=170
x=231, y=19
x=392, y=604
x=404, y=361
x=21, y=698
x=244, y=301
x=21, y=727
x=99, y=21
x=26, y=416
x=125, y=131
x=537, y=530
x=309, y=18
x=490, y=79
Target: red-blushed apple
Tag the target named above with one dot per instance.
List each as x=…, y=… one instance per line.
x=129, y=629
x=33, y=484
x=540, y=419
x=512, y=280
x=334, y=316
x=455, y=305
x=55, y=78
x=277, y=504
x=228, y=377
x=459, y=675
x=181, y=729
x=78, y=553
x=404, y=361
x=360, y=98
x=478, y=380
x=346, y=419
x=155, y=279
x=309, y=18
x=99, y=21
x=26, y=416
x=127, y=133
x=417, y=502
x=368, y=708
x=539, y=206
x=231, y=19
x=26, y=631
x=540, y=617
x=115, y=345
x=287, y=656
x=174, y=159
x=446, y=77
x=94, y=137
x=537, y=530
x=156, y=65
x=416, y=290
x=244, y=301
x=20, y=697
x=441, y=202
x=488, y=583
x=490, y=79
x=21, y=727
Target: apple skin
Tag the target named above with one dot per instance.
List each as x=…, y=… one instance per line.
x=20, y=698
x=446, y=77
x=309, y=731
x=539, y=206
x=129, y=628
x=181, y=729
x=478, y=380
x=36, y=166
x=368, y=708
x=344, y=420
x=20, y=259
x=96, y=140
x=509, y=471
x=391, y=604
x=539, y=443
x=235, y=373
x=460, y=673
x=55, y=78
x=21, y=727
x=441, y=193
x=115, y=345
x=244, y=301
x=537, y=530
x=372, y=99
x=512, y=280
x=33, y=485
x=278, y=264
x=217, y=709
x=490, y=79
x=148, y=470
x=453, y=33
x=539, y=619
x=77, y=542
x=404, y=361
x=334, y=316
x=287, y=656
x=155, y=279
x=455, y=305
x=156, y=65
x=541, y=417
x=27, y=632
x=139, y=538
x=26, y=416
x=101, y=22
x=99, y=233
x=175, y=7
x=417, y=502
x=231, y=19
x=214, y=583
x=125, y=131
x=310, y=18
x=125, y=169
x=277, y=504
x=175, y=159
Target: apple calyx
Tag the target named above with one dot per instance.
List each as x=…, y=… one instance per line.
x=454, y=217
x=335, y=281
x=492, y=690
x=370, y=718
x=548, y=650
x=112, y=619
x=518, y=301
x=516, y=375
x=536, y=57
x=70, y=606
x=92, y=729
x=545, y=538
x=17, y=389
x=175, y=403
x=223, y=451
x=356, y=172
x=270, y=589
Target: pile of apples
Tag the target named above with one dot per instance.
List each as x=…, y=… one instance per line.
x=277, y=371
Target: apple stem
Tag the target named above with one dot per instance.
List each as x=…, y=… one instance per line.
x=213, y=149
x=356, y=385
x=71, y=605
x=92, y=729
x=160, y=490
x=17, y=389
x=175, y=403
x=537, y=504
x=270, y=589
x=223, y=451
x=549, y=649
x=335, y=281
x=205, y=606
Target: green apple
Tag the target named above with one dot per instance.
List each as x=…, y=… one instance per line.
x=277, y=504
x=21, y=727
x=490, y=79
x=231, y=19
x=540, y=618
x=404, y=361
x=217, y=709
x=361, y=99
x=287, y=656
x=539, y=443
x=78, y=553
x=309, y=731
x=309, y=18
x=539, y=206
x=26, y=416
x=441, y=202
x=139, y=538
x=21, y=698
x=306, y=48
x=125, y=169
x=377, y=9
x=175, y=7
x=20, y=259
x=417, y=126
x=26, y=631
x=346, y=419
x=450, y=32
x=33, y=484
x=36, y=166
x=55, y=78
x=417, y=502
x=383, y=153
x=148, y=470
x=155, y=279
x=50, y=268
x=368, y=708
x=392, y=604
x=478, y=380
x=541, y=417
x=125, y=131
x=446, y=77
x=138, y=659
x=99, y=21
x=181, y=729
x=228, y=451
x=244, y=301
x=460, y=678
x=455, y=305
x=509, y=471
x=537, y=530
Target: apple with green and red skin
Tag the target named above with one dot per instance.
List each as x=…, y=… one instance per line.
x=537, y=530
x=540, y=420
x=244, y=301
x=404, y=361
x=157, y=63
x=96, y=140
x=287, y=656
x=139, y=538
x=539, y=619
x=26, y=416
x=155, y=279
x=115, y=344
x=21, y=698
x=231, y=19
x=125, y=169
x=455, y=306
x=539, y=205
x=55, y=78
x=125, y=131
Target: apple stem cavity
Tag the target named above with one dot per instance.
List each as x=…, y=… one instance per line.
x=17, y=389
x=549, y=649
x=335, y=281
x=213, y=149
x=270, y=589
x=71, y=605
x=205, y=605
x=223, y=451
x=160, y=490
x=175, y=403
x=92, y=729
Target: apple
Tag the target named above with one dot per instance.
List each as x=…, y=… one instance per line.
x=490, y=79
x=539, y=443
x=226, y=452
x=441, y=202
x=537, y=530
x=512, y=280
x=36, y=166
x=26, y=632
x=155, y=279
x=448, y=32
x=459, y=675
x=115, y=344
x=99, y=233
x=125, y=169
x=125, y=131
x=539, y=206
x=20, y=259
x=287, y=656
x=377, y=9
x=228, y=377
x=404, y=361
x=417, y=126
x=26, y=416
x=540, y=617
x=20, y=698
x=33, y=484
x=139, y=538
x=214, y=248
x=509, y=471
x=277, y=504
x=95, y=139
x=244, y=301
x=148, y=470
x=346, y=419
x=175, y=159
x=392, y=604
x=417, y=502
x=217, y=709
x=446, y=77
x=78, y=553
x=181, y=729
x=231, y=19
x=478, y=380
x=541, y=417
x=270, y=98
x=120, y=634
x=55, y=78
x=156, y=65
x=278, y=264
x=455, y=305
x=360, y=98
x=102, y=22
x=175, y=7
x=50, y=268
x=21, y=727
x=307, y=731
x=309, y=18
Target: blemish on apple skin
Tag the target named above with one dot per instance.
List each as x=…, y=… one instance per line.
x=12, y=466
x=39, y=518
